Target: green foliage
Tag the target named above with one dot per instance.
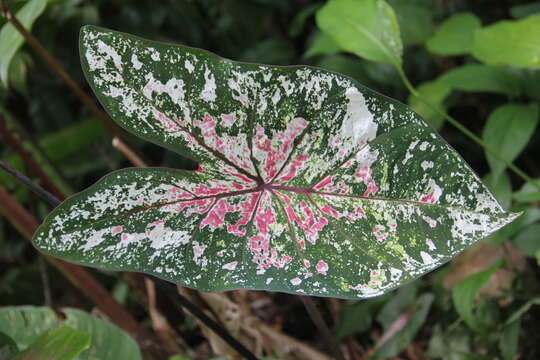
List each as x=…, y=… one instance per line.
x=404, y=329
x=483, y=78
x=58, y=343
x=367, y=28
x=11, y=40
x=413, y=32
x=322, y=44
x=509, y=129
x=465, y=293
x=455, y=35
x=521, y=39
x=528, y=193
x=39, y=330
x=435, y=92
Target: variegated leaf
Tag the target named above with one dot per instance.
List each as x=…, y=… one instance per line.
x=308, y=182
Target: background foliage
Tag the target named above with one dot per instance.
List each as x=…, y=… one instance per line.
x=477, y=60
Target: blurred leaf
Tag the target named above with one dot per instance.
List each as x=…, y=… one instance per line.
x=529, y=216
x=509, y=340
x=465, y=292
x=455, y=35
x=449, y=344
x=299, y=21
x=415, y=20
x=528, y=193
x=322, y=44
x=269, y=52
x=520, y=11
x=508, y=129
x=11, y=40
x=522, y=310
x=345, y=64
x=354, y=319
x=520, y=41
x=25, y=324
x=401, y=300
x=17, y=72
x=367, y=28
x=414, y=318
x=8, y=347
x=357, y=317
x=482, y=78
x=435, y=92
x=501, y=188
x=530, y=82
x=58, y=343
x=60, y=144
x=528, y=240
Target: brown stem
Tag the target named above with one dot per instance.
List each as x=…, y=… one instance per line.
x=54, y=65
x=26, y=224
x=125, y=150
x=317, y=318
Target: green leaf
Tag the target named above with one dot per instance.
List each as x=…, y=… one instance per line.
x=58, y=343
x=482, y=78
x=25, y=324
x=322, y=44
x=272, y=51
x=367, y=28
x=528, y=241
x=357, y=317
x=11, y=40
x=529, y=216
x=8, y=347
x=521, y=39
x=464, y=293
x=299, y=21
x=304, y=175
x=455, y=35
x=415, y=20
x=501, y=188
x=407, y=326
x=520, y=11
x=508, y=129
x=17, y=72
x=509, y=340
x=528, y=193
x=448, y=344
x=435, y=92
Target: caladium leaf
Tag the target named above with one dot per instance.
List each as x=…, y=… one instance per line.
x=308, y=182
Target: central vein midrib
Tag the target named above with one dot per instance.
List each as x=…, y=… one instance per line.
x=271, y=188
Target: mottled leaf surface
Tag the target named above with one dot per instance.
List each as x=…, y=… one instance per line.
x=308, y=182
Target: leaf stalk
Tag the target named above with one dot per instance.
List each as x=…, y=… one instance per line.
x=464, y=130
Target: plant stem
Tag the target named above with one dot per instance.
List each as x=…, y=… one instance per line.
x=319, y=322
x=182, y=301
x=125, y=150
x=36, y=189
x=464, y=130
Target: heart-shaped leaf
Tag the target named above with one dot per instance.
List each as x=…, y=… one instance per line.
x=308, y=183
